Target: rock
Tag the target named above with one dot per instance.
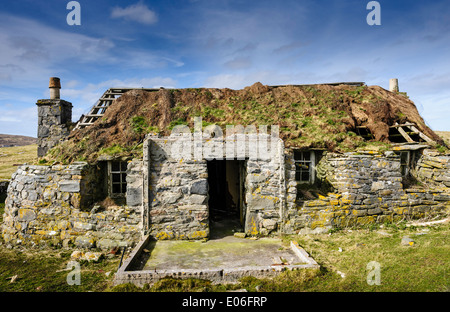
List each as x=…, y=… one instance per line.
x=92, y=256
x=83, y=226
x=88, y=256
x=200, y=187
x=376, y=186
x=76, y=255
x=197, y=199
x=407, y=241
x=134, y=196
x=171, y=198
x=69, y=186
x=106, y=244
x=261, y=202
x=239, y=235
x=26, y=215
x=384, y=233
x=269, y=224
x=84, y=242
x=341, y=274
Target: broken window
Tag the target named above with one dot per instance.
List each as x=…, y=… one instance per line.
x=117, y=178
x=304, y=164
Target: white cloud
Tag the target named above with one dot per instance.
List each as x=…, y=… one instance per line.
x=20, y=121
x=138, y=12
x=27, y=59
x=239, y=63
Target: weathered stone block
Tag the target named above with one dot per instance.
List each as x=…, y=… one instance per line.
x=196, y=199
x=107, y=244
x=261, y=202
x=269, y=224
x=134, y=196
x=200, y=187
x=84, y=242
x=26, y=215
x=71, y=186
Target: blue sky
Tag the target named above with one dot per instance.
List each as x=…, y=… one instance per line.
x=226, y=43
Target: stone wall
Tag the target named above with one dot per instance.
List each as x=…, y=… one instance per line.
x=55, y=205
x=367, y=189
x=54, y=121
x=265, y=193
x=167, y=198
x=178, y=194
x=433, y=169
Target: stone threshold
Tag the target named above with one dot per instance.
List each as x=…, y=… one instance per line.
x=126, y=273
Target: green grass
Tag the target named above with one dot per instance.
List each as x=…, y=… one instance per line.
x=11, y=156
x=423, y=267
x=45, y=271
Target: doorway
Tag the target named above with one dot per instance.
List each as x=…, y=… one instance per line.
x=226, y=197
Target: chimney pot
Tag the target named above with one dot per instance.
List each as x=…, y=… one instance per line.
x=393, y=85
x=55, y=86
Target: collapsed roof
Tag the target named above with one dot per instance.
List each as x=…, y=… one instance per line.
x=336, y=117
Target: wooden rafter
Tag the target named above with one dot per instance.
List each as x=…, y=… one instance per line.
x=100, y=107
x=403, y=133
x=412, y=127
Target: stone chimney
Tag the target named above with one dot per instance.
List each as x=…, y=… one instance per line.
x=393, y=85
x=54, y=119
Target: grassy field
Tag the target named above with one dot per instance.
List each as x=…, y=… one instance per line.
x=343, y=256
x=11, y=156
x=444, y=135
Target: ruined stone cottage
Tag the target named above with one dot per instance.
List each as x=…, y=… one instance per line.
x=269, y=160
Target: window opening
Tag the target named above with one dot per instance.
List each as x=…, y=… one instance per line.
x=118, y=178
x=304, y=162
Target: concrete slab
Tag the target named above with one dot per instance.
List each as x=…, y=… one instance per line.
x=222, y=260
x=226, y=252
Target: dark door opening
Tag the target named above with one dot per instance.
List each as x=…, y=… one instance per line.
x=226, y=200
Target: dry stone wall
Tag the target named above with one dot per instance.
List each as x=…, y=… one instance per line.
x=433, y=169
x=178, y=194
x=265, y=193
x=367, y=189
x=55, y=205
x=167, y=198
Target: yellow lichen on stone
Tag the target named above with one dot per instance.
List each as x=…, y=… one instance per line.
x=164, y=235
x=253, y=230
x=198, y=234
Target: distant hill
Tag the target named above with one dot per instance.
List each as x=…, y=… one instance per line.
x=11, y=157
x=7, y=140
x=445, y=135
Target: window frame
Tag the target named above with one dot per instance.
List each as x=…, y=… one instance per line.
x=311, y=163
x=121, y=173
